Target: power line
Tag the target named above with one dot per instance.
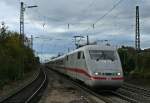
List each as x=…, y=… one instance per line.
x=99, y=19
x=114, y=6
x=82, y=12
x=89, y=6
x=85, y=9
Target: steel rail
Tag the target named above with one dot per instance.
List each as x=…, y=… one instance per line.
x=31, y=95
x=137, y=89
x=124, y=97
x=106, y=99
x=34, y=94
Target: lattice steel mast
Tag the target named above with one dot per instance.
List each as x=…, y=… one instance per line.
x=22, y=9
x=137, y=30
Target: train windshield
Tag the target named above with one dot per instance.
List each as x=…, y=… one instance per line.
x=102, y=55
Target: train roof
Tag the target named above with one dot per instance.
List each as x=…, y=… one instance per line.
x=87, y=47
x=99, y=47
x=94, y=47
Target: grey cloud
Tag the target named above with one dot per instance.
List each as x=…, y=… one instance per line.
x=119, y=25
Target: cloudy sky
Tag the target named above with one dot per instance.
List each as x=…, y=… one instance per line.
x=114, y=21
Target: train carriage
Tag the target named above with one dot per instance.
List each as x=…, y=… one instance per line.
x=95, y=65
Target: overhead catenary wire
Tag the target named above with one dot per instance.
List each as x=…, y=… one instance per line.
x=83, y=11
x=103, y=16
x=109, y=11
x=90, y=5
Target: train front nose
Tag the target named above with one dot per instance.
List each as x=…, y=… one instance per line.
x=106, y=80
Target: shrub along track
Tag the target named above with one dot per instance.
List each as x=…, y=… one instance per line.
x=31, y=92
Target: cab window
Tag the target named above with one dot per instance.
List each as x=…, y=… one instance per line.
x=102, y=55
x=83, y=57
x=67, y=57
x=79, y=55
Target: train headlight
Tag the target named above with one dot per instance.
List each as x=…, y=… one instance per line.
x=118, y=74
x=96, y=73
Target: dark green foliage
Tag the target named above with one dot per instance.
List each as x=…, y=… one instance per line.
x=15, y=58
x=127, y=56
x=135, y=63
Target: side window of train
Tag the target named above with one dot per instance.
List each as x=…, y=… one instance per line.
x=67, y=57
x=79, y=55
x=83, y=57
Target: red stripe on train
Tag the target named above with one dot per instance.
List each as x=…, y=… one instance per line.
x=117, y=78
x=81, y=71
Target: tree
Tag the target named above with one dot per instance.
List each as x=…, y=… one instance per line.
x=3, y=29
x=16, y=58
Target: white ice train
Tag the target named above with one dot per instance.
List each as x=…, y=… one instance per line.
x=95, y=65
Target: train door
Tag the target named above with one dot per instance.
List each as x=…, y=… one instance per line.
x=80, y=65
x=74, y=64
x=78, y=56
x=65, y=64
x=71, y=66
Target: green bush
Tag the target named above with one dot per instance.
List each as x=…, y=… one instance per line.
x=15, y=58
x=136, y=64
x=136, y=75
x=147, y=76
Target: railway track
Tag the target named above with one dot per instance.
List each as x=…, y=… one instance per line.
x=128, y=93
x=29, y=93
x=139, y=94
x=107, y=96
x=139, y=90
